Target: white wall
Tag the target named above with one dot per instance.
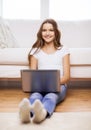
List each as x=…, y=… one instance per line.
x=44, y=9
x=0, y=7
x=59, y=10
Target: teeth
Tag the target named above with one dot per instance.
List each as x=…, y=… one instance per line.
x=47, y=37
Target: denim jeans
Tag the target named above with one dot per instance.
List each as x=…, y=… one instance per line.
x=50, y=100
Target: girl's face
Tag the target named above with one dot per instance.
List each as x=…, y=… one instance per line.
x=48, y=33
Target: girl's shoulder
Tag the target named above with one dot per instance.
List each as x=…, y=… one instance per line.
x=64, y=50
x=33, y=51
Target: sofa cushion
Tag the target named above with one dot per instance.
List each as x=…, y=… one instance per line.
x=80, y=72
x=80, y=56
x=19, y=56
x=14, y=56
x=75, y=34
x=11, y=71
x=7, y=38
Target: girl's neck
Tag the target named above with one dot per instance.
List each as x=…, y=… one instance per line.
x=49, y=48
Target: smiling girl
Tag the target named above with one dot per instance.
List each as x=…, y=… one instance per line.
x=46, y=53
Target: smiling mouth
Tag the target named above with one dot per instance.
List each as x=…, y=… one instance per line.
x=48, y=37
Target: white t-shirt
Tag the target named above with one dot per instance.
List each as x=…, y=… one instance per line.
x=50, y=61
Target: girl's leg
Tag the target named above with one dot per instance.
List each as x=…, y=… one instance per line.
x=62, y=93
x=38, y=111
x=35, y=96
x=49, y=101
x=52, y=99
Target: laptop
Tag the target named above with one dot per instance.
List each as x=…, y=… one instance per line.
x=40, y=80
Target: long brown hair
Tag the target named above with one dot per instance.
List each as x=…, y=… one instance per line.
x=40, y=42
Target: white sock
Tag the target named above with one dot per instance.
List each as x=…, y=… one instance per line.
x=39, y=111
x=24, y=110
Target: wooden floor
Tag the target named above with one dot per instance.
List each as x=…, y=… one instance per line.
x=76, y=100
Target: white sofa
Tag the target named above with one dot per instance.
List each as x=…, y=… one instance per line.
x=76, y=35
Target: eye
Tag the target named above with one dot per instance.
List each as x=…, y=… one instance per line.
x=52, y=30
x=43, y=30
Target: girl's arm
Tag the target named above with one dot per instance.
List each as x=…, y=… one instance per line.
x=33, y=63
x=66, y=69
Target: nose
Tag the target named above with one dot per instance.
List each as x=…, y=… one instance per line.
x=47, y=32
